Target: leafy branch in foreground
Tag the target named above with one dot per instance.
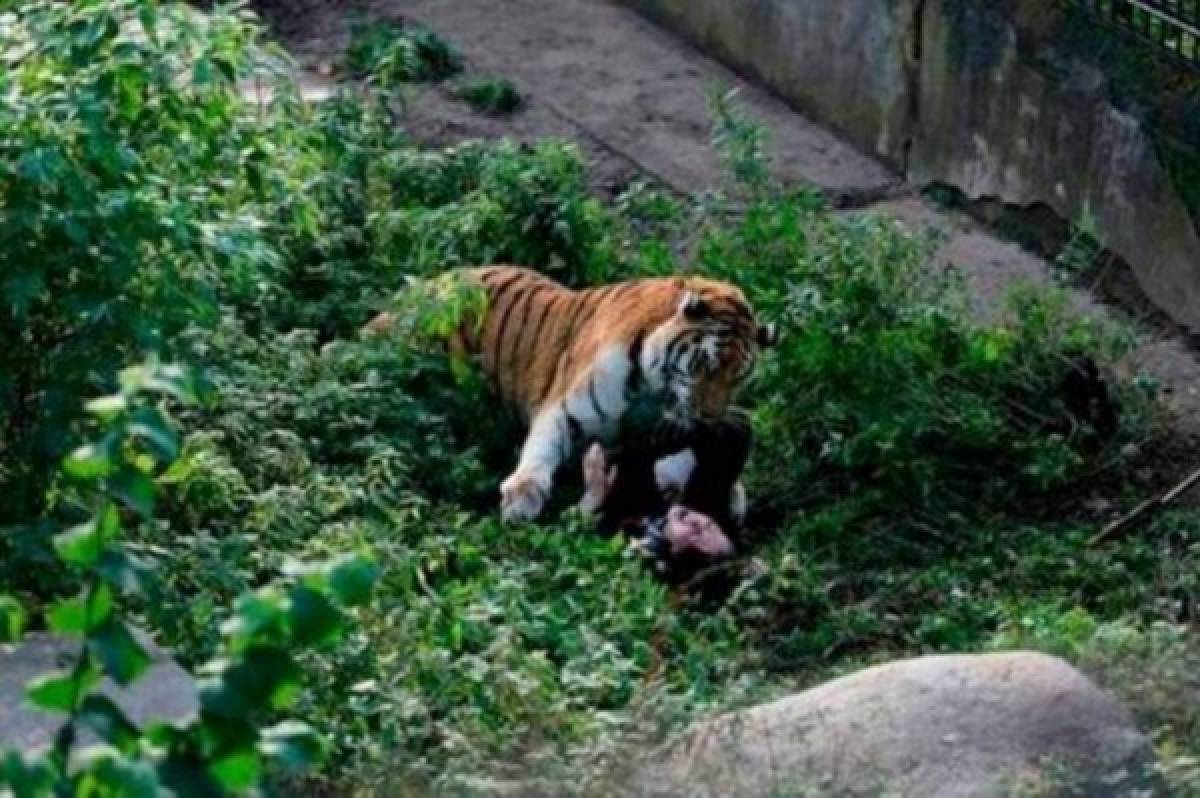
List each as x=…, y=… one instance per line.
x=227, y=746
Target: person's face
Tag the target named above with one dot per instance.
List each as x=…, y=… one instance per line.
x=691, y=531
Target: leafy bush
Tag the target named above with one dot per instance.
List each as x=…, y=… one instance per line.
x=494, y=96
x=391, y=53
x=483, y=203
x=223, y=749
x=884, y=387
x=126, y=205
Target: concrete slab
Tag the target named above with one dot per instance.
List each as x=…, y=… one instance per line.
x=165, y=692
x=633, y=89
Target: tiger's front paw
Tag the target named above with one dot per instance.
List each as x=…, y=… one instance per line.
x=522, y=497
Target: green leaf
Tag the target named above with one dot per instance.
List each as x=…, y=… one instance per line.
x=40, y=164
x=61, y=691
x=21, y=290
x=313, y=619
x=293, y=745
x=267, y=678
x=258, y=619
x=91, y=461
x=165, y=735
x=116, y=649
x=123, y=571
x=12, y=619
x=151, y=425
x=83, y=614
x=229, y=689
x=238, y=770
x=83, y=544
x=135, y=490
x=80, y=545
x=148, y=16
x=69, y=617
x=107, y=408
x=101, y=770
x=170, y=380
x=26, y=778
x=202, y=72
x=352, y=579
x=314, y=576
x=109, y=722
x=117, y=776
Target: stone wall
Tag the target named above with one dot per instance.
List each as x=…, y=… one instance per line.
x=969, y=94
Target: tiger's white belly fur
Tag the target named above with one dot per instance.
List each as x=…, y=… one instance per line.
x=597, y=402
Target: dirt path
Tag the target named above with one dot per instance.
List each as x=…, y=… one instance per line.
x=635, y=98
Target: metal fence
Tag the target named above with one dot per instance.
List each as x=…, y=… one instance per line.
x=1171, y=26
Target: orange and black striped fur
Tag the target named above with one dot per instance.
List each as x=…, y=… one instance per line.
x=570, y=361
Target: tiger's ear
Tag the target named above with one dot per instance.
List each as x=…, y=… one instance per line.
x=693, y=307
x=768, y=335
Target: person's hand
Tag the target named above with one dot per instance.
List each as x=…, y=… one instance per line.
x=598, y=479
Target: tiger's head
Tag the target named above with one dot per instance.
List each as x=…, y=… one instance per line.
x=705, y=351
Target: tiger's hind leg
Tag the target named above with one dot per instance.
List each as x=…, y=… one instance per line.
x=525, y=492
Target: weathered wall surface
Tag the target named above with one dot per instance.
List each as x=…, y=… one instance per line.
x=847, y=63
x=958, y=92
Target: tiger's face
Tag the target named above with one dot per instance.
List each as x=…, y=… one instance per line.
x=706, y=351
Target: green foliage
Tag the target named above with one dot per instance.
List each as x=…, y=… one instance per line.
x=740, y=142
x=226, y=748
x=12, y=619
x=485, y=203
x=1083, y=249
x=391, y=53
x=919, y=476
x=885, y=392
x=495, y=96
x=127, y=205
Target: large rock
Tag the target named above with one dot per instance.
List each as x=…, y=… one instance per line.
x=937, y=726
x=165, y=691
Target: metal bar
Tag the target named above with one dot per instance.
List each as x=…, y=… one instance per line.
x=1171, y=20
x=1170, y=27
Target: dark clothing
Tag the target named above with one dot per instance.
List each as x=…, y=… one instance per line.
x=721, y=449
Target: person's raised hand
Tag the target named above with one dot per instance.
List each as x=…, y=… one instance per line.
x=598, y=479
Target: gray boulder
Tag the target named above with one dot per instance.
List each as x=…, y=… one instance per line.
x=165, y=691
x=937, y=726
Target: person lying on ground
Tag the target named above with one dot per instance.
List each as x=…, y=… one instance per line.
x=677, y=498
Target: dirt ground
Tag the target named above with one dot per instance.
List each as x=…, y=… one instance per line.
x=635, y=98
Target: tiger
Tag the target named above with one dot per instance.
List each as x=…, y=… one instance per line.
x=571, y=361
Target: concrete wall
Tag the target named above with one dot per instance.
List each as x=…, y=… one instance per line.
x=957, y=92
